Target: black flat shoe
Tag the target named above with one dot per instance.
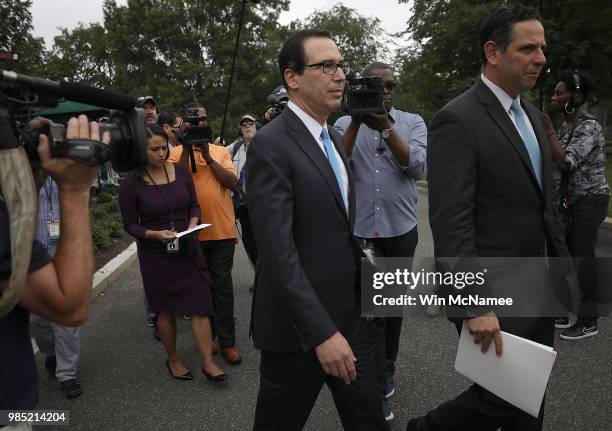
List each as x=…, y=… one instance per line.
x=215, y=379
x=186, y=376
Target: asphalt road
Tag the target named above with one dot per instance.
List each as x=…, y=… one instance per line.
x=127, y=386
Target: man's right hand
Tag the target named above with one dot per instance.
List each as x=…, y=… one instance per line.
x=336, y=358
x=71, y=176
x=486, y=329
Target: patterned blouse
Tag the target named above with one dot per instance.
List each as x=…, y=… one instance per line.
x=586, y=155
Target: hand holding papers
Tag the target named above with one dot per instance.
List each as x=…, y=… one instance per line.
x=193, y=229
x=519, y=376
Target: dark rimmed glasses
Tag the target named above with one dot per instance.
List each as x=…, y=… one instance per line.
x=329, y=67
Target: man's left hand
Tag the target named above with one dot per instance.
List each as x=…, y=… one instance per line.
x=377, y=122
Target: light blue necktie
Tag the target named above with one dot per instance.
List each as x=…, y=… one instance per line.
x=334, y=162
x=528, y=139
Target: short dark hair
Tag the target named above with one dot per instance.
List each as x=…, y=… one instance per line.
x=376, y=65
x=167, y=117
x=499, y=27
x=586, y=81
x=292, y=55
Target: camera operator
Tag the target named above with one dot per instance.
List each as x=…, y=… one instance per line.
x=214, y=178
x=388, y=154
x=172, y=123
x=247, y=127
x=58, y=290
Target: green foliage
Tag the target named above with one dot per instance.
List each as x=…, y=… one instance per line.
x=100, y=235
x=445, y=58
x=361, y=40
x=104, y=197
x=112, y=207
x=115, y=228
x=98, y=213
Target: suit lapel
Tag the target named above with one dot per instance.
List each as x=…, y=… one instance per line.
x=496, y=111
x=538, y=127
x=305, y=141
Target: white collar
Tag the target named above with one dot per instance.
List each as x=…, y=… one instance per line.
x=503, y=97
x=313, y=126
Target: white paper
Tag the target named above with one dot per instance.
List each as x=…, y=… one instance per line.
x=521, y=374
x=193, y=229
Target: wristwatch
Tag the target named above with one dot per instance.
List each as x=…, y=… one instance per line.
x=386, y=133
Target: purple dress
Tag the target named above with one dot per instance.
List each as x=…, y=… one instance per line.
x=174, y=282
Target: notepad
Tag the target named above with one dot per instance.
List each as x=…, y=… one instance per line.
x=193, y=229
x=521, y=374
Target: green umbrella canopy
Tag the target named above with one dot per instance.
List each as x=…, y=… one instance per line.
x=67, y=108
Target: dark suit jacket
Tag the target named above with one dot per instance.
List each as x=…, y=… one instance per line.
x=484, y=198
x=306, y=272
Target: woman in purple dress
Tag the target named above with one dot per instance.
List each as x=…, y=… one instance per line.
x=157, y=201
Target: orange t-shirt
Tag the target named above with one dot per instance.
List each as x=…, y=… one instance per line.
x=215, y=200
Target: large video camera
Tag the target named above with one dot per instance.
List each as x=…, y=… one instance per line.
x=363, y=95
x=278, y=99
x=198, y=133
x=21, y=94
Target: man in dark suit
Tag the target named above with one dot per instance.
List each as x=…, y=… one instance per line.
x=489, y=175
x=306, y=318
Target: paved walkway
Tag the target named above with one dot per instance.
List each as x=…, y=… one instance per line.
x=127, y=386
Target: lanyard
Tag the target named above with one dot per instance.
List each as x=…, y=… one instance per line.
x=48, y=188
x=170, y=211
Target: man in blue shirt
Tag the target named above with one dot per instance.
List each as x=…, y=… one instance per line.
x=388, y=154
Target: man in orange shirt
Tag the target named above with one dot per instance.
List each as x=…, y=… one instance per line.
x=214, y=178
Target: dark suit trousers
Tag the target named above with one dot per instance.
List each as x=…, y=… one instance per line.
x=219, y=256
x=248, y=239
x=398, y=246
x=477, y=409
x=290, y=383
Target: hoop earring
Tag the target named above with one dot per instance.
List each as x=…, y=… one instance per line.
x=567, y=111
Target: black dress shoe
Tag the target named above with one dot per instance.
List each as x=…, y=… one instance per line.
x=186, y=376
x=51, y=365
x=71, y=388
x=215, y=379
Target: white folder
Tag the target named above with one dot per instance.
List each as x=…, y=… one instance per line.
x=193, y=229
x=519, y=376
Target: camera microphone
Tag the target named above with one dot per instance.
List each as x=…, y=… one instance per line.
x=73, y=91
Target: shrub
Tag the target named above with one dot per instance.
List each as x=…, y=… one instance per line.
x=97, y=213
x=100, y=235
x=104, y=197
x=112, y=207
x=114, y=228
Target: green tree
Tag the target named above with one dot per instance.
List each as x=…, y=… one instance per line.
x=16, y=37
x=361, y=40
x=180, y=52
x=445, y=58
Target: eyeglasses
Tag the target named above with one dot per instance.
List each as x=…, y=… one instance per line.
x=390, y=85
x=247, y=123
x=329, y=67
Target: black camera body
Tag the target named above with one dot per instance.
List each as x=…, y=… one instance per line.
x=364, y=95
x=21, y=95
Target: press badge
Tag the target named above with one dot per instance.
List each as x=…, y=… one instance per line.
x=54, y=230
x=173, y=246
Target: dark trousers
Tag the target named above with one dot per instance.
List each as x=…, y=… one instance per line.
x=219, y=256
x=397, y=246
x=248, y=239
x=477, y=409
x=587, y=215
x=290, y=383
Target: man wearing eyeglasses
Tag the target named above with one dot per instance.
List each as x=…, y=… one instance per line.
x=306, y=312
x=171, y=122
x=247, y=127
x=388, y=154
